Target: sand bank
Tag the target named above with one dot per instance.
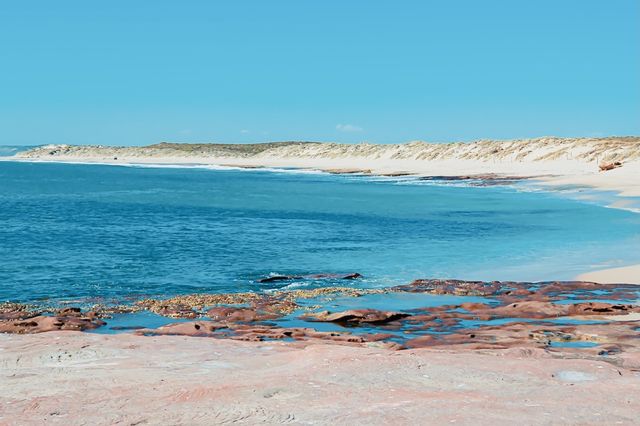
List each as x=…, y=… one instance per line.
x=79, y=378
x=625, y=181
x=623, y=275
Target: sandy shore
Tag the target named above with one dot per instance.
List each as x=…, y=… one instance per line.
x=624, y=181
x=78, y=378
x=623, y=275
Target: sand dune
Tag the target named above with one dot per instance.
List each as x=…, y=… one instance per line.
x=584, y=150
x=558, y=161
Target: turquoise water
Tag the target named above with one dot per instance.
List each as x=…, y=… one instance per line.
x=579, y=344
x=85, y=232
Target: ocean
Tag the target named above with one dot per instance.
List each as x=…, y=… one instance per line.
x=86, y=232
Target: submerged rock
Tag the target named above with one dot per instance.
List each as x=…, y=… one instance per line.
x=527, y=315
x=599, y=308
x=176, y=311
x=232, y=314
x=509, y=291
x=276, y=278
x=530, y=309
x=16, y=311
x=357, y=316
x=351, y=276
x=453, y=287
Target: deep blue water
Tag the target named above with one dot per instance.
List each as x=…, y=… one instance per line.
x=79, y=231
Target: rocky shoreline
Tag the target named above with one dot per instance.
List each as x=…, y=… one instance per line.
x=542, y=353
x=567, y=319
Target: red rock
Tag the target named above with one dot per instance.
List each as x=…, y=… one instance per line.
x=198, y=328
x=17, y=315
x=232, y=314
x=70, y=312
x=455, y=287
x=469, y=306
x=604, y=167
x=531, y=309
x=358, y=316
x=599, y=308
x=421, y=342
x=273, y=307
x=176, y=311
x=40, y=324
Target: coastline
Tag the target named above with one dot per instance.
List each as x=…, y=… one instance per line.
x=624, y=182
x=577, y=371
x=572, y=372
x=550, y=162
x=218, y=213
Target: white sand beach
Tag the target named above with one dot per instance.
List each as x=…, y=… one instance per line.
x=622, y=275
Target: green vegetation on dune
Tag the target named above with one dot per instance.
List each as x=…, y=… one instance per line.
x=228, y=148
x=586, y=150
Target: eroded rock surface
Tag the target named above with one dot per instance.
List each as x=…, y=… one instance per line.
x=134, y=380
x=41, y=323
x=232, y=314
x=358, y=316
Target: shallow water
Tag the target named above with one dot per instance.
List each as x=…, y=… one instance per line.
x=579, y=344
x=78, y=232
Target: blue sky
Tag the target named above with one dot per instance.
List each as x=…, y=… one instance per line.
x=140, y=72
